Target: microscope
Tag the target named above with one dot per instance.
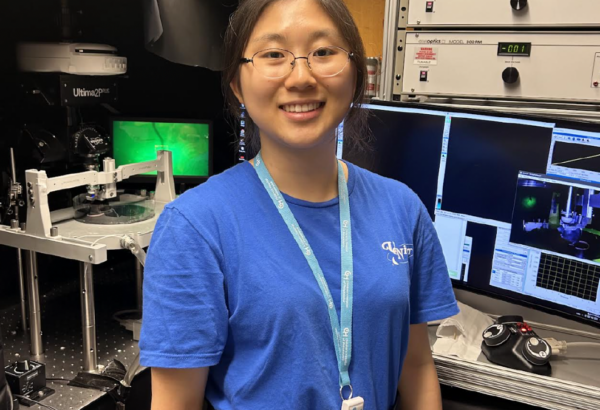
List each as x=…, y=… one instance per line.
x=571, y=221
x=57, y=151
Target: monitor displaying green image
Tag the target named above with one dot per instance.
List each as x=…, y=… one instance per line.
x=137, y=140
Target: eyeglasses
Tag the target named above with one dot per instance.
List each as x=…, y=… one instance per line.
x=277, y=63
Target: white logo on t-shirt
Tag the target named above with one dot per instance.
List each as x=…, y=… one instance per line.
x=399, y=254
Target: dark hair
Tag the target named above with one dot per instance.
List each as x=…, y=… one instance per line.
x=241, y=24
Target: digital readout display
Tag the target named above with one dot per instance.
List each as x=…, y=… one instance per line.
x=514, y=49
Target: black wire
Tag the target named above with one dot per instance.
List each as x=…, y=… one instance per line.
x=57, y=379
x=27, y=399
x=10, y=398
x=162, y=141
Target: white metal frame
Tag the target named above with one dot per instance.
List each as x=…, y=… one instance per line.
x=38, y=236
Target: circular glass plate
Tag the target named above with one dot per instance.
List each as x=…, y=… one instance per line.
x=125, y=210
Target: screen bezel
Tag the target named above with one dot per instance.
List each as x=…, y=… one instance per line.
x=187, y=179
x=569, y=124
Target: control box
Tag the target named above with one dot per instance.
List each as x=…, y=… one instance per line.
x=511, y=342
x=500, y=65
x=25, y=376
x=503, y=13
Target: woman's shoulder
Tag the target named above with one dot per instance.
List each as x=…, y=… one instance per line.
x=212, y=200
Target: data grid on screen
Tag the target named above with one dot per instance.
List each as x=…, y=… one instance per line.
x=568, y=276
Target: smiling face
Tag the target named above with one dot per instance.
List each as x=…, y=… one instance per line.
x=302, y=109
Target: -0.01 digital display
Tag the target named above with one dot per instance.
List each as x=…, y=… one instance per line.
x=514, y=49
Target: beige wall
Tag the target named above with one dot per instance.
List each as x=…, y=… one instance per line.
x=369, y=15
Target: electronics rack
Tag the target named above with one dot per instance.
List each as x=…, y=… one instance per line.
x=451, y=53
x=427, y=60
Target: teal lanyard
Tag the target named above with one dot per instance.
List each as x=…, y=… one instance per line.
x=342, y=332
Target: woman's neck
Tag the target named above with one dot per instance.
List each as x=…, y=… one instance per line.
x=310, y=175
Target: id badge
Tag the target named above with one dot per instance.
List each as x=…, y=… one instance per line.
x=355, y=403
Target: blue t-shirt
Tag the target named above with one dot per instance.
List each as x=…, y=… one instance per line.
x=226, y=286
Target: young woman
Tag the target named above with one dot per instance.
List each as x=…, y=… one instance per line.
x=294, y=281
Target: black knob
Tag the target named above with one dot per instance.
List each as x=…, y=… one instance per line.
x=510, y=75
x=496, y=334
x=537, y=351
x=22, y=366
x=518, y=4
x=89, y=142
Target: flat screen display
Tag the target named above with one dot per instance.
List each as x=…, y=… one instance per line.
x=513, y=199
x=138, y=140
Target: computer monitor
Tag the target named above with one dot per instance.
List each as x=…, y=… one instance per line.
x=512, y=198
x=190, y=141
x=406, y=146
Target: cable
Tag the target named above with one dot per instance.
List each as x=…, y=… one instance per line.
x=100, y=237
x=162, y=141
x=561, y=347
x=104, y=237
x=132, y=371
x=583, y=344
x=30, y=401
x=10, y=398
x=57, y=379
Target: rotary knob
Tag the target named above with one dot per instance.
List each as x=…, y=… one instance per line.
x=537, y=351
x=22, y=366
x=518, y=4
x=510, y=75
x=496, y=334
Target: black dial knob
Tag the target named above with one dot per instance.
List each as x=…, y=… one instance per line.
x=537, y=351
x=518, y=4
x=22, y=366
x=89, y=141
x=510, y=75
x=496, y=334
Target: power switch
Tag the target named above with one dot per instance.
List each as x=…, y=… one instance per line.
x=423, y=75
x=429, y=6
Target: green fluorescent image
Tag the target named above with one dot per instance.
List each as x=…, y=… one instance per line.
x=529, y=202
x=138, y=141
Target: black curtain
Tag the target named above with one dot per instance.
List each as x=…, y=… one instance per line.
x=188, y=32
